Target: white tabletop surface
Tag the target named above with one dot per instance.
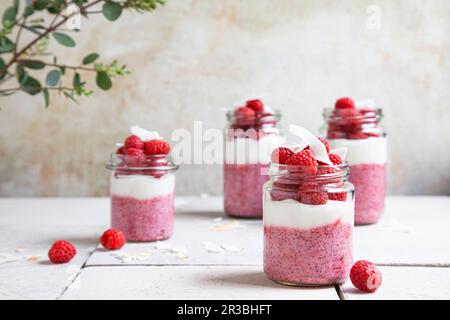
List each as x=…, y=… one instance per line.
x=411, y=246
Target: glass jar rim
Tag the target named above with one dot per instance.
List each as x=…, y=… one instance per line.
x=276, y=113
x=117, y=162
x=295, y=173
x=329, y=112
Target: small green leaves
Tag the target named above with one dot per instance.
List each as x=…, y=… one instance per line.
x=40, y=4
x=9, y=17
x=29, y=10
x=112, y=10
x=2, y=70
x=90, y=58
x=6, y=45
x=103, y=80
x=52, y=78
x=63, y=39
x=31, y=86
x=46, y=97
x=33, y=64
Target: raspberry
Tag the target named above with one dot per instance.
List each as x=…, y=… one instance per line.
x=256, y=105
x=304, y=160
x=309, y=193
x=281, y=155
x=62, y=251
x=134, y=157
x=133, y=142
x=120, y=150
x=244, y=112
x=344, y=103
x=365, y=276
x=153, y=147
x=335, y=159
x=357, y=135
x=338, y=196
x=112, y=239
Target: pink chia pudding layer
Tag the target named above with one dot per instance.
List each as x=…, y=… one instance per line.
x=143, y=219
x=316, y=256
x=243, y=189
x=370, y=187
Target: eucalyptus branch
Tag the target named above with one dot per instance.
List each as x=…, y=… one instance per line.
x=23, y=61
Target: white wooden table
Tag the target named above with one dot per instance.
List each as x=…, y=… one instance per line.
x=411, y=245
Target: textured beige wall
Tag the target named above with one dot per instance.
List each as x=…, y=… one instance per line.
x=192, y=58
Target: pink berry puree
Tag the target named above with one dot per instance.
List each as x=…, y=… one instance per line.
x=143, y=219
x=316, y=256
x=243, y=189
x=370, y=185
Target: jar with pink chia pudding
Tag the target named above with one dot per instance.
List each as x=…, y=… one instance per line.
x=251, y=134
x=358, y=127
x=308, y=224
x=142, y=188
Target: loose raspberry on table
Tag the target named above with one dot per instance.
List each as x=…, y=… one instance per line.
x=309, y=193
x=303, y=161
x=344, y=103
x=62, y=251
x=281, y=155
x=112, y=239
x=133, y=142
x=365, y=276
x=153, y=147
x=256, y=105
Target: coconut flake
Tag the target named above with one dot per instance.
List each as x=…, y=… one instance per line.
x=230, y=248
x=144, y=134
x=316, y=146
x=212, y=248
x=180, y=251
x=226, y=226
x=6, y=258
x=131, y=257
x=341, y=152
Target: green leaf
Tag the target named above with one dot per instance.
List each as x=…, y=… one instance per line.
x=21, y=74
x=112, y=10
x=76, y=80
x=9, y=16
x=70, y=96
x=29, y=10
x=64, y=39
x=33, y=64
x=40, y=4
x=90, y=58
x=2, y=71
x=31, y=86
x=52, y=78
x=46, y=97
x=103, y=80
x=6, y=45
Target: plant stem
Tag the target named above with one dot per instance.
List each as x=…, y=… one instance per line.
x=44, y=34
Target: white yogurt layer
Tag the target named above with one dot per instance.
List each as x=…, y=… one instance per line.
x=142, y=187
x=293, y=214
x=371, y=150
x=246, y=150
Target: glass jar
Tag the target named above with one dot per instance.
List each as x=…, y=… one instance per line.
x=142, y=196
x=248, y=146
x=308, y=225
x=360, y=130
